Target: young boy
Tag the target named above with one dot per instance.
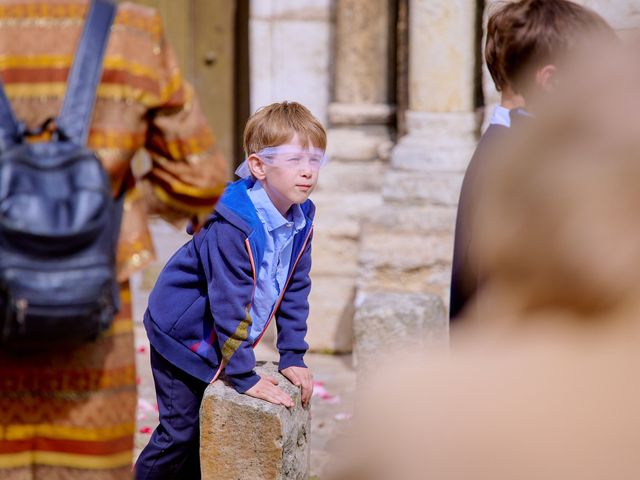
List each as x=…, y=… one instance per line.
x=216, y=296
x=526, y=43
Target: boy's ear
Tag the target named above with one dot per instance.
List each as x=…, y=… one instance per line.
x=547, y=78
x=257, y=167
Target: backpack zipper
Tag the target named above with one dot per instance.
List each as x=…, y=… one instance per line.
x=21, y=305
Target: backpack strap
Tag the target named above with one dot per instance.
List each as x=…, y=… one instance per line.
x=86, y=71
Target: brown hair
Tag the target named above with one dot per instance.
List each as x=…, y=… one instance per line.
x=275, y=124
x=556, y=229
x=526, y=35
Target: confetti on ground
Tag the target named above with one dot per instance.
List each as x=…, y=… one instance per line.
x=141, y=349
x=342, y=416
x=319, y=390
x=146, y=430
x=145, y=407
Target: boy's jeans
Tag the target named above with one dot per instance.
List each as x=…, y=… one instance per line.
x=174, y=449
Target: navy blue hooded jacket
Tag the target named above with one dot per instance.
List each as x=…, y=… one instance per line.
x=198, y=315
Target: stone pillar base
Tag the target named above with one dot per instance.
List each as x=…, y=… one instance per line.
x=391, y=323
x=243, y=438
x=359, y=132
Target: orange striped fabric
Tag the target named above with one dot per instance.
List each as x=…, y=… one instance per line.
x=143, y=103
x=71, y=415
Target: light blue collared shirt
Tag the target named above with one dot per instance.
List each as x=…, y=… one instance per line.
x=279, y=233
x=500, y=116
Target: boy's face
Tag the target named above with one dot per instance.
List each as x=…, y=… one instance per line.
x=288, y=172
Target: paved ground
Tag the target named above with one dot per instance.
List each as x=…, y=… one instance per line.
x=331, y=407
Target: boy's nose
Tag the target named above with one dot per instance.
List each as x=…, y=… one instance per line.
x=305, y=168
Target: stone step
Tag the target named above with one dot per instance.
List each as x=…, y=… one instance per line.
x=357, y=143
x=243, y=438
x=405, y=251
x=420, y=156
x=339, y=177
x=422, y=188
x=427, y=220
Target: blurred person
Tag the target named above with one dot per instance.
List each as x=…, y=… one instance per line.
x=527, y=42
x=540, y=383
x=215, y=298
x=71, y=414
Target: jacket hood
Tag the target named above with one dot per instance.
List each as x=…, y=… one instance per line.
x=236, y=207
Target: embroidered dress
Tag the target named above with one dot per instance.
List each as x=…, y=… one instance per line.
x=71, y=415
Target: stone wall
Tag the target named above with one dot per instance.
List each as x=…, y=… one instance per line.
x=406, y=246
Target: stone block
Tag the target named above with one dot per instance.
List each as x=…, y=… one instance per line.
x=442, y=128
x=334, y=255
x=428, y=220
x=341, y=215
x=362, y=61
x=350, y=177
x=423, y=157
x=361, y=113
x=330, y=324
x=300, y=68
x=243, y=438
x=435, y=280
x=436, y=188
x=357, y=142
x=405, y=251
x=290, y=70
x=387, y=323
x=442, y=55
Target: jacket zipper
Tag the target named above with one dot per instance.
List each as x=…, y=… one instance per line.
x=223, y=363
x=275, y=309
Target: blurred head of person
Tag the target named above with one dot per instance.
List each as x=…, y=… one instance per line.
x=528, y=42
x=556, y=230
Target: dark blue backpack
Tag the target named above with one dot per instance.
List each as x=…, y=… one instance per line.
x=59, y=223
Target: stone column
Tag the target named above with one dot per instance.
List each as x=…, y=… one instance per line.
x=289, y=53
x=389, y=324
x=408, y=244
x=350, y=186
x=364, y=73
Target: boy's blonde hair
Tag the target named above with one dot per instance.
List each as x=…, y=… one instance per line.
x=275, y=124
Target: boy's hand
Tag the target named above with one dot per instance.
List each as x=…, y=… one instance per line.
x=301, y=377
x=266, y=389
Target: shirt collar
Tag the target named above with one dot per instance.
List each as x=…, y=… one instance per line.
x=500, y=117
x=269, y=214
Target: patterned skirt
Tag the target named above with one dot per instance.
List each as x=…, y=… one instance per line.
x=71, y=415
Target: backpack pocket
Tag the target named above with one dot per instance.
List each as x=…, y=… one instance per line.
x=38, y=310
